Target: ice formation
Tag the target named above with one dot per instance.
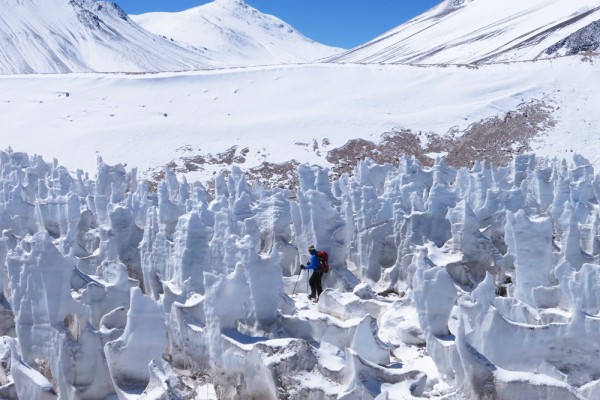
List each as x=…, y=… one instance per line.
x=111, y=290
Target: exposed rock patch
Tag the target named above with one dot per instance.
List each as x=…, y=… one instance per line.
x=282, y=175
x=391, y=147
x=499, y=139
x=494, y=140
x=584, y=40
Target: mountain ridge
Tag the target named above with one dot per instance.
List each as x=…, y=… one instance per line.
x=65, y=36
x=84, y=36
x=480, y=31
x=237, y=33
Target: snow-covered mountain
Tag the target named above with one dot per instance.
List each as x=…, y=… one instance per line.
x=236, y=33
x=483, y=31
x=50, y=36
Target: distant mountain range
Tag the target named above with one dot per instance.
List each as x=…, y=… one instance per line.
x=236, y=33
x=485, y=31
x=62, y=36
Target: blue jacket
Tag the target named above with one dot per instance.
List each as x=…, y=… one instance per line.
x=314, y=262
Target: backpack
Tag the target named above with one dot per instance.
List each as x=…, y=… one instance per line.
x=324, y=261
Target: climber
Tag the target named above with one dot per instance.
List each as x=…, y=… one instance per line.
x=319, y=266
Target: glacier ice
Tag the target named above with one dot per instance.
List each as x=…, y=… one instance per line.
x=110, y=289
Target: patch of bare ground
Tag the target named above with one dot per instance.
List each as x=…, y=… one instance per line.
x=196, y=162
x=271, y=175
x=494, y=140
x=391, y=147
x=497, y=140
x=589, y=56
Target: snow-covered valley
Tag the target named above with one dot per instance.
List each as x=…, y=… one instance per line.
x=155, y=226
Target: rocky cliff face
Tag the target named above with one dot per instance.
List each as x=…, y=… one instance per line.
x=584, y=40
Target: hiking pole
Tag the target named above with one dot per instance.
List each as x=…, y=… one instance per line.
x=294, y=291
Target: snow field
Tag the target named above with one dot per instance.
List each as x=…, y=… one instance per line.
x=274, y=111
x=112, y=290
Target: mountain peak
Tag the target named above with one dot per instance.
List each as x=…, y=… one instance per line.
x=109, y=6
x=457, y=3
x=61, y=36
x=235, y=4
x=236, y=33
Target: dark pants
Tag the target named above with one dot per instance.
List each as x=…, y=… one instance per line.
x=316, y=287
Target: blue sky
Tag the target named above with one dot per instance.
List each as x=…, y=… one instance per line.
x=342, y=23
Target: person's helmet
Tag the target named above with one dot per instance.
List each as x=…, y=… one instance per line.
x=311, y=248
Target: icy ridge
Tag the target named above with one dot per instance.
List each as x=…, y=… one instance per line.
x=53, y=36
x=484, y=31
x=110, y=289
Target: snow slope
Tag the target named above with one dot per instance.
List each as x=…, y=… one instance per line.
x=236, y=33
x=276, y=112
x=59, y=36
x=483, y=31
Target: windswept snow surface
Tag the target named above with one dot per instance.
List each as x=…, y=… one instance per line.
x=236, y=33
x=148, y=120
x=444, y=284
x=481, y=31
x=58, y=36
